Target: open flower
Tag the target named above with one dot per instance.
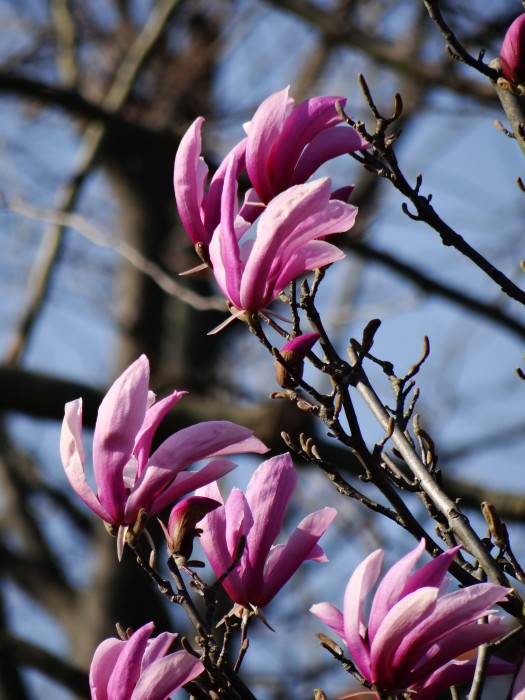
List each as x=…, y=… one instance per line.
x=140, y=668
x=415, y=628
x=287, y=144
x=251, y=273
x=128, y=478
x=263, y=568
x=512, y=54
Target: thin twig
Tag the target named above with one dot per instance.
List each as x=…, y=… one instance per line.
x=115, y=99
x=140, y=262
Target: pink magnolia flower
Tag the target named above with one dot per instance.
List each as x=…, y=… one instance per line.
x=284, y=147
x=263, y=568
x=287, y=144
x=512, y=54
x=140, y=668
x=128, y=478
x=415, y=628
x=251, y=273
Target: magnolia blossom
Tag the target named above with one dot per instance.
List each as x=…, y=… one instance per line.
x=251, y=273
x=263, y=568
x=128, y=478
x=415, y=628
x=512, y=54
x=140, y=668
x=287, y=144
x=284, y=147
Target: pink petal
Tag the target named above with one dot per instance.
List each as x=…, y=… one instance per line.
x=128, y=666
x=189, y=177
x=167, y=675
x=153, y=418
x=283, y=562
x=311, y=256
x=160, y=487
x=264, y=131
x=207, y=439
x=399, y=622
x=331, y=616
x=267, y=495
x=72, y=453
x=213, y=542
x=433, y=573
x=452, y=611
x=157, y=647
x=306, y=120
x=325, y=146
x=102, y=666
x=120, y=418
x=360, y=584
x=451, y=646
x=212, y=213
x=224, y=248
x=390, y=590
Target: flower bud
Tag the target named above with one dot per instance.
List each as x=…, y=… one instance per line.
x=512, y=54
x=182, y=530
x=294, y=353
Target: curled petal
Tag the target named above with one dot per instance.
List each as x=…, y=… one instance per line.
x=72, y=453
x=167, y=675
x=189, y=178
x=119, y=419
x=331, y=616
x=361, y=583
x=284, y=561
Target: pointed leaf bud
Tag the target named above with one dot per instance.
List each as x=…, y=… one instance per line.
x=294, y=353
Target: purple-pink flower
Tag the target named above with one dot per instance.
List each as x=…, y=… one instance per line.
x=128, y=478
x=140, y=668
x=284, y=147
x=251, y=273
x=287, y=144
x=415, y=628
x=512, y=54
x=263, y=567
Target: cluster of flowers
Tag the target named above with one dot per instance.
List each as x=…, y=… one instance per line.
x=283, y=148
x=416, y=629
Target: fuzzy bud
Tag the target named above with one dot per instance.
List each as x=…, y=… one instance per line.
x=294, y=353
